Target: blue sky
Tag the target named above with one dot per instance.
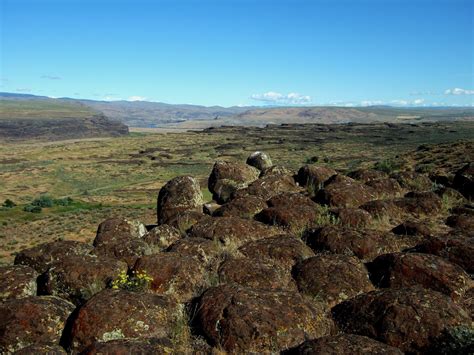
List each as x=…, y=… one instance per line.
x=416, y=52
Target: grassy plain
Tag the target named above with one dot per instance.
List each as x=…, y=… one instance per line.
x=122, y=176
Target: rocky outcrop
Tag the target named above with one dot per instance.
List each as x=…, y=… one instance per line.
x=17, y=281
x=260, y=160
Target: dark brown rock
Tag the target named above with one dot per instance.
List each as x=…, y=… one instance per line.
x=231, y=230
x=352, y=217
x=173, y=274
x=246, y=320
x=32, y=320
x=276, y=170
x=180, y=194
x=365, y=244
x=407, y=318
x=260, y=160
x=17, y=281
x=412, y=228
x=255, y=274
x=343, y=344
x=464, y=181
x=119, y=314
x=412, y=180
x=205, y=250
x=457, y=248
x=291, y=200
x=131, y=346
x=79, y=277
x=386, y=187
x=367, y=175
x=284, y=250
x=41, y=256
x=228, y=177
x=243, y=207
x=126, y=250
x=461, y=221
x=342, y=191
x=161, y=237
x=183, y=221
x=49, y=349
x=420, y=203
x=314, y=176
x=384, y=209
x=115, y=230
x=332, y=278
x=295, y=219
x=269, y=186
x=429, y=271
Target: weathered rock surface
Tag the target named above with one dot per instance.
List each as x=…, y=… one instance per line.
x=342, y=191
x=131, y=346
x=228, y=177
x=461, y=221
x=243, y=207
x=314, y=176
x=284, y=250
x=407, y=318
x=183, y=221
x=173, y=274
x=343, y=344
x=161, y=237
x=352, y=217
x=255, y=274
x=79, y=277
x=41, y=256
x=430, y=271
x=260, y=160
x=118, y=314
x=17, y=281
x=32, y=320
x=205, y=250
x=295, y=220
x=247, y=320
x=231, y=230
x=412, y=181
x=365, y=244
x=115, y=230
x=180, y=194
x=385, y=187
x=269, y=186
x=411, y=227
x=367, y=175
x=420, y=203
x=332, y=278
x=464, y=181
x=50, y=349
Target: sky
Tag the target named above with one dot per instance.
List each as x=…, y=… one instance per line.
x=241, y=52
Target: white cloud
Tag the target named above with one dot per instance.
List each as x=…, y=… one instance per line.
x=371, y=103
x=23, y=90
x=292, y=98
x=458, y=91
x=418, y=101
x=136, y=98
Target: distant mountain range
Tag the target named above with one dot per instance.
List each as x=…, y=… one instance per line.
x=145, y=114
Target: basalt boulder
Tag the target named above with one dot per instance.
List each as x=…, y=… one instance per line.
x=32, y=320
x=413, y=181
x=429, y=271
x=161, y=237
x=116, y=230
x=332, y=278
x=205, y=250
x=406, y=318
x=269, y=186
x=464, y=181
x=131, y=346
x=352, y=217
x=314, y=176
x=342, y=191
x=367, y=175
x=41, y=256
x=17, y=281
x=243, y=207
x=241, y=319
x=178, y=195
x=260, y=160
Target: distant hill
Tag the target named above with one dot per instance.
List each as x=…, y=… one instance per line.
x=144, y=114
x=29, y=116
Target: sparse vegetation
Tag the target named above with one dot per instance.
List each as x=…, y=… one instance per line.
x=137, y=281
x=8, y=203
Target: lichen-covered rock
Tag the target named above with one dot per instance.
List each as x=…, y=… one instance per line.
x=277, y=170
x=259, y=160
x=291, y=200
x=420, y=203
x=407, y=318
x=79, y=277
x=255, y=274
x=464, y=181
x=411, y=227
x=41, y=256
x=243, y=207
x=385, y=187
x=183, y=221
x=429, y=271
x=231, y=230
x=284, y=250
x=126, y=250
x=269, y=186
x=461, y=221
x=161, y=237
x=32, y=320
x=173, y=274
x=365, y=244
x=178, y=195
x=241, y=319
x=314, y=176
x=341, y=191
x=295, y=220
x=17, y=281
x=457, y=248
x=384, y=209
x=131, y=346
x=332, y=278
x=205, y=250
x=49, y=349
x=228, y=177
x=343, y=344
x=115, y=230
x=118, y=314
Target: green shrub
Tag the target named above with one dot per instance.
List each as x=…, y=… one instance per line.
x=387, y=166
x=66, y=201
x=8, y=203
x=43, y=201
x=456, y=340
x=32, y=208
x=312, y=160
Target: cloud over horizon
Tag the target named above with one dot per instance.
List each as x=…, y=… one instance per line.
x=458, y=91
x=136, y=98
x=292, y=98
